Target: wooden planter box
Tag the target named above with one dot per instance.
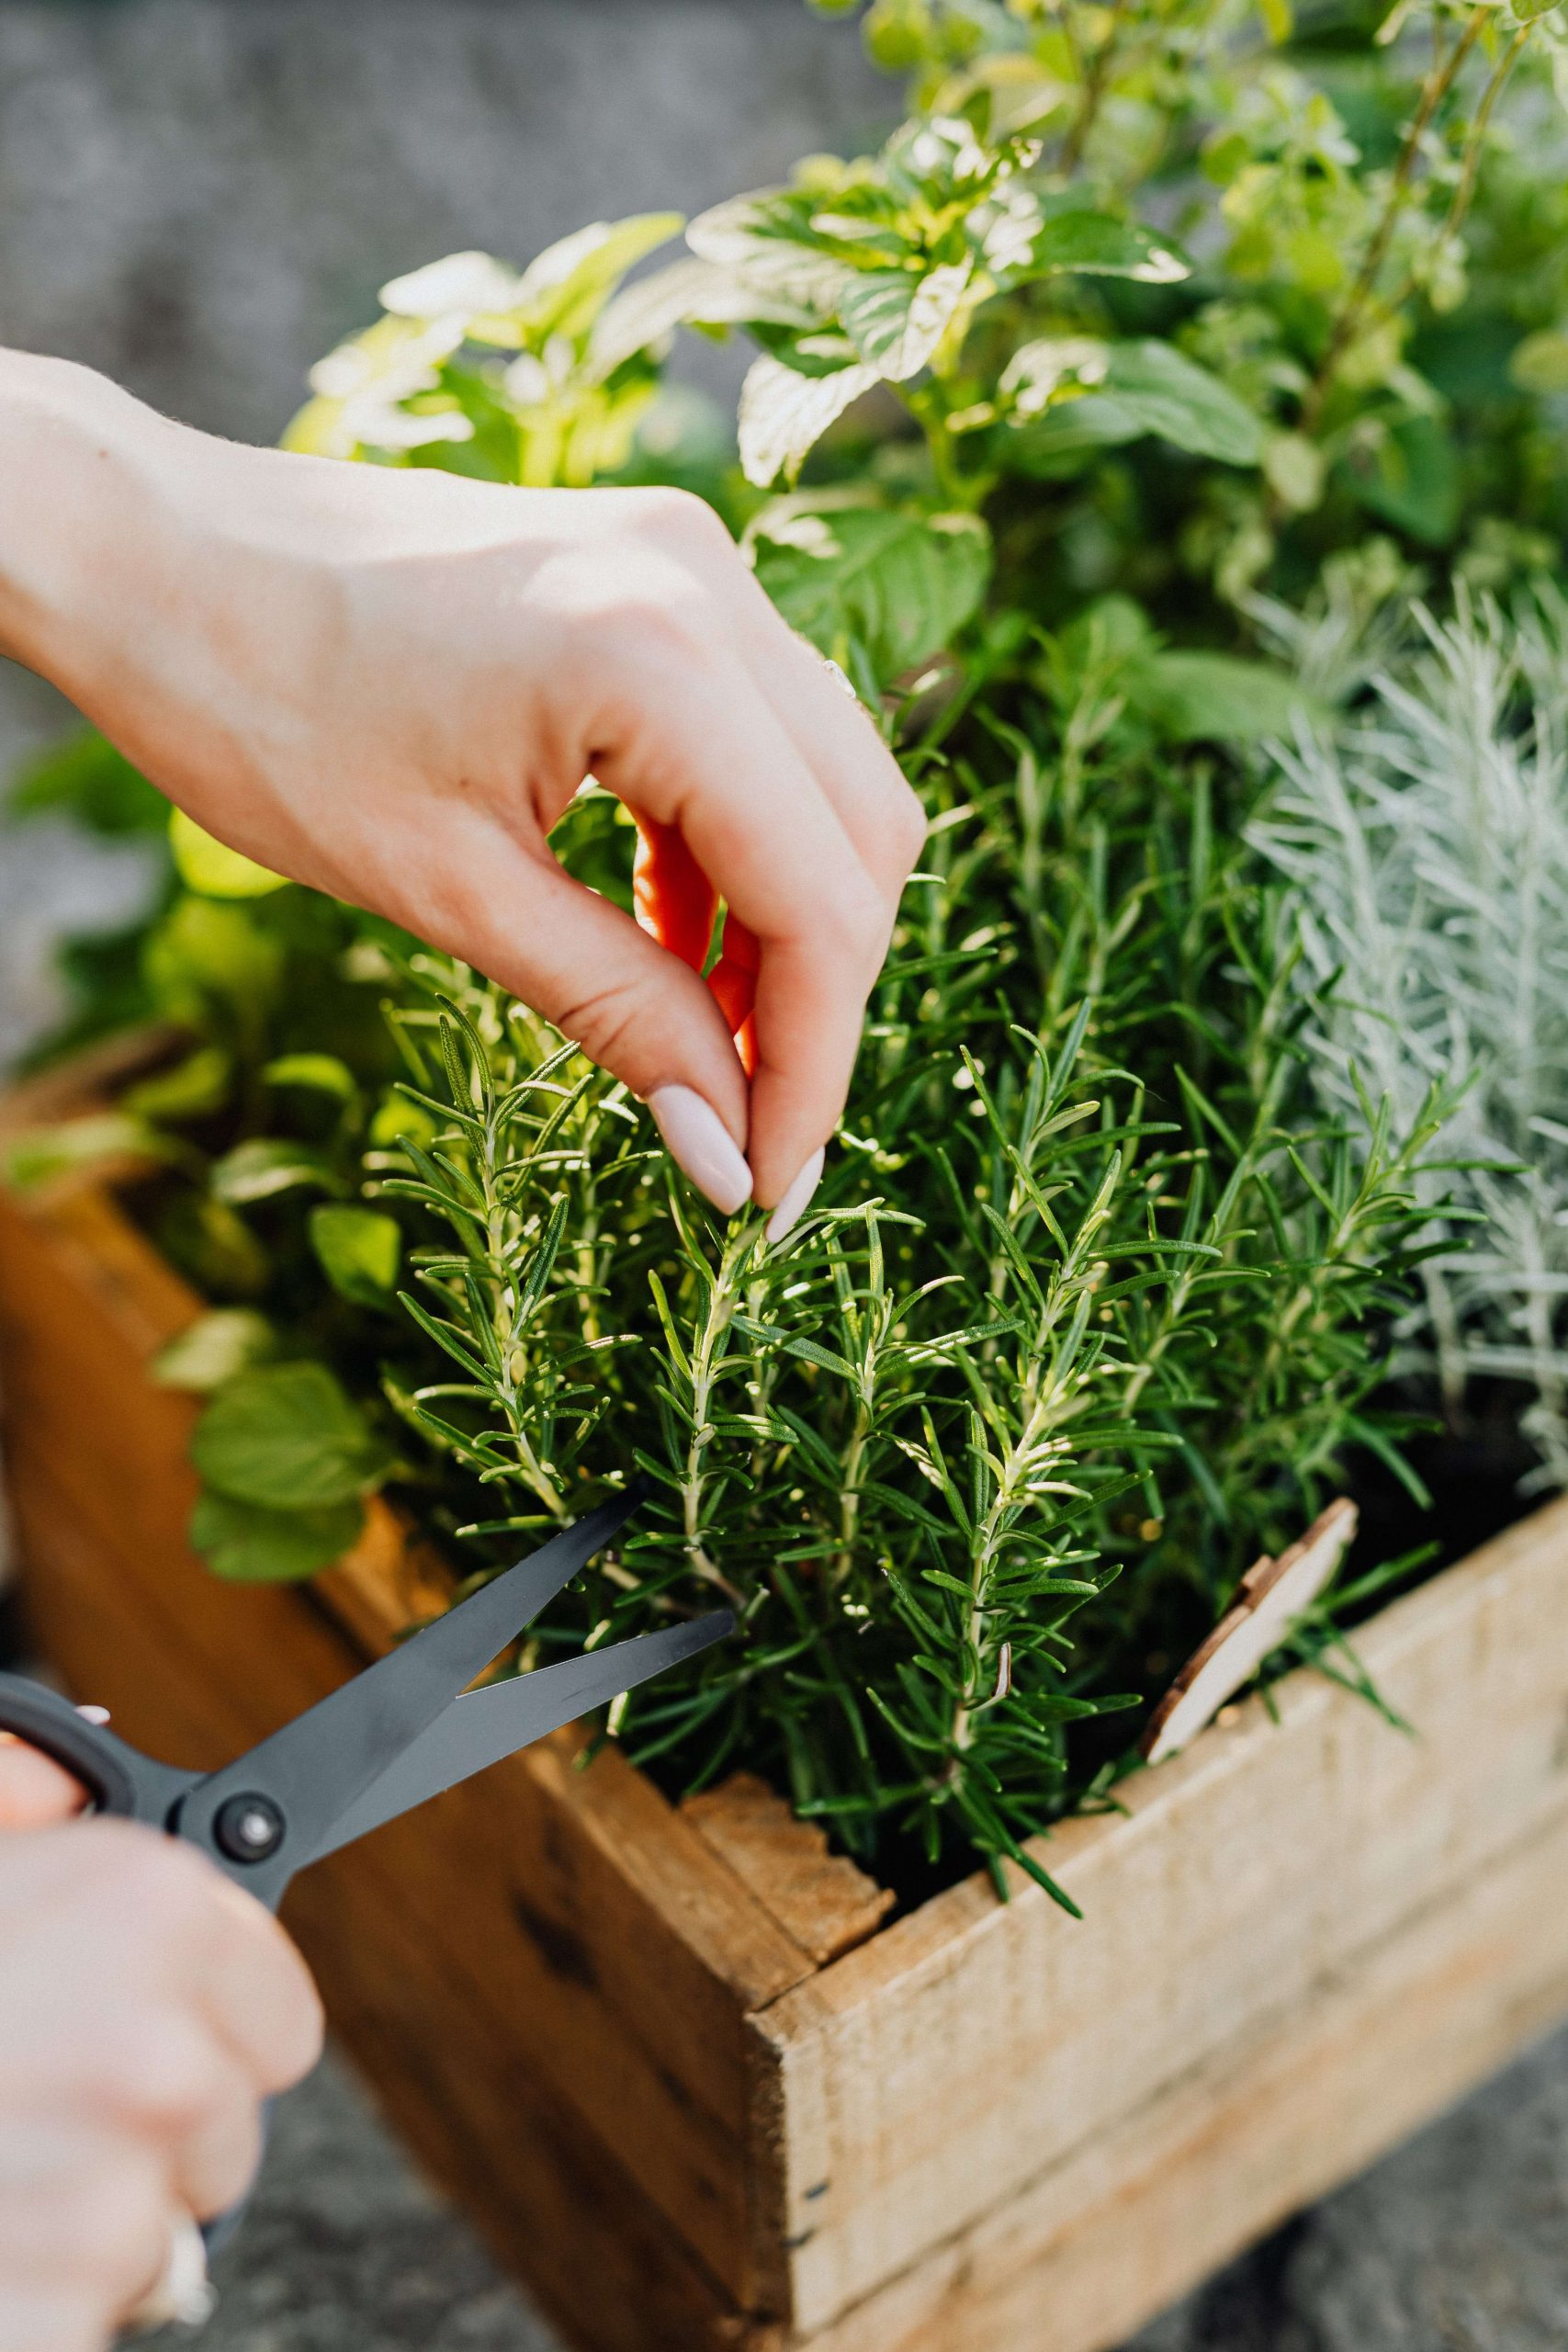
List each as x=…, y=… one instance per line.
x=613, y=2028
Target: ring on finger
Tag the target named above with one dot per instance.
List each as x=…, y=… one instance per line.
x=183, y=2295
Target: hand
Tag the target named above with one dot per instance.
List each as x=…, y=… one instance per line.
x=390, y=683
x=146, y=2008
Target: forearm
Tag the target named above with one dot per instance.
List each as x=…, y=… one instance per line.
x=76, y=459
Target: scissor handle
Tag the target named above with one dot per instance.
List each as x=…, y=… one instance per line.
x=93, y=1756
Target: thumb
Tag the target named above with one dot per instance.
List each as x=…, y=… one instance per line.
x=34, y=1792
x=640, y=1011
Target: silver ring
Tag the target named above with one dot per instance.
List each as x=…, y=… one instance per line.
x=184, y=2296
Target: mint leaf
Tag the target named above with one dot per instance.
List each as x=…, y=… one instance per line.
x=213, y=1349
x=360, y=1250
x=899, y=585
x=247, y=1544
x=286, y=1436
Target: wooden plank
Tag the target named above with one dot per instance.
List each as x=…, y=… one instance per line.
x=823, y=1902
x=66, y=1090
x=627, y=1951
x=1235, y=2146
x=927, y=2075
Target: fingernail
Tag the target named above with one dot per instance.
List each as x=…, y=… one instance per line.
x=698, y=1140
x=796, y=1200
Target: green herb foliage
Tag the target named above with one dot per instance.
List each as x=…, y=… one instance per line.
x=1094, y=1297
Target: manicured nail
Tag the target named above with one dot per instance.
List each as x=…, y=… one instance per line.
x=698, y=1140
x=796, y=1200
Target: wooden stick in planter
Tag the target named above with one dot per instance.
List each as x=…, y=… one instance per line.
x=1269, y=1595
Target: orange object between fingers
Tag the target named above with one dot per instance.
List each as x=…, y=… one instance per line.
x=676, y=902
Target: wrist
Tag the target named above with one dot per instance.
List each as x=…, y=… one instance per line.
x=74, y=460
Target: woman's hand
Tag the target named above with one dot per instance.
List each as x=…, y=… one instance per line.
x=146, y=2008
x=390, y=683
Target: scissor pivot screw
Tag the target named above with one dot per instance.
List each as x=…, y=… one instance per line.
x=249, y=1829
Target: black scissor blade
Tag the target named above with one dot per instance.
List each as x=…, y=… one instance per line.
x=316, y=1767
x=489, y=1725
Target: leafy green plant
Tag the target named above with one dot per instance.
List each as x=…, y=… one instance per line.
x=1095, y=1299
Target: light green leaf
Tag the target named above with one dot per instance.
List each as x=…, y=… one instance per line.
x=1104, y=247
x=784, y=414
x=265, y=1165
x=224, y=1341
x=216, y=871
x=564, y=287
x=203, y=951
x=288, y=1437
x=1540, y=363
x=247, y=1544
x=1147, y=387
x=895, y=320
x=320, y=1073
x=1194, y=697
x=1294, y=469
x=898, y=584
x=188, y=1091
x=360, y=1250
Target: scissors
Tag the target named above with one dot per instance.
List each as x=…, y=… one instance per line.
x=405, y=1729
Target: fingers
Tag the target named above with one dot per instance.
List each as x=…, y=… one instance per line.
x=837, y=737
x=259, y=1995
x=706, y=752
x=640, y=1011
x=34, y=1790
x=141, y=1994
x=84, y=2232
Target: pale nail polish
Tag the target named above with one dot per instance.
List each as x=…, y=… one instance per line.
x=698, y=1140
x=796, y=1200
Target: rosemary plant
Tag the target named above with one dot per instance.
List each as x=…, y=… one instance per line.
x=983, y=1384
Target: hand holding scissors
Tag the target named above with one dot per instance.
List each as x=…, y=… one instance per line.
x=404, y=1730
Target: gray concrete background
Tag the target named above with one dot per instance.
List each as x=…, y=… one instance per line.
x=201, y=196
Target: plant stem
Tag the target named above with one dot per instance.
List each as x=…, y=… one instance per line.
x=503, y=1294
x=724, y=1296
x=1440, y=81
x=1093, y=75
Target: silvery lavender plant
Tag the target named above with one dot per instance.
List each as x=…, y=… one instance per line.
x=1427, y=833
